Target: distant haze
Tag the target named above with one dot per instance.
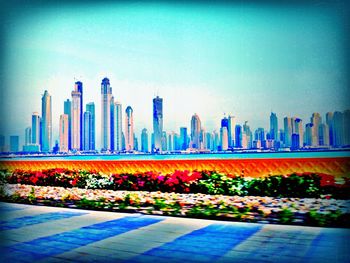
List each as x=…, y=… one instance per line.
x=243, y=60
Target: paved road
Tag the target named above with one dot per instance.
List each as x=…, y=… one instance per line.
x=47, y=234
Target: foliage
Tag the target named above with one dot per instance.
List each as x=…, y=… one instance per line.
x=206, y=182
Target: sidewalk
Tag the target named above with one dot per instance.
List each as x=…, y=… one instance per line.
x=48, y=234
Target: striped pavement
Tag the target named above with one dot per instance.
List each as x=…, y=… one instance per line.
x=47, y=234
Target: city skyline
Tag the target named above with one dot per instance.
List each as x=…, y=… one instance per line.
x=202, y=59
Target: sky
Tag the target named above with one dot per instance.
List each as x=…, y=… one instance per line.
x=240, y=59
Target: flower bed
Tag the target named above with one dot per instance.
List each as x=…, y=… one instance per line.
x=301, y=211
x=307, y=198
x=206, y=182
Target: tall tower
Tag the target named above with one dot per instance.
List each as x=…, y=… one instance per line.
x=129, y=129
x=183, y=138
x=224, y=138
x=64, y=127
x=158, y=122
x=112, y=123
x=118, y=126
x=87, y=131
x=35, y=128
x=195, y=131
x=90, y=107
x=28, y=136
x=298, y=128
x=287, y=131
x=46, y=120
x=68, y=111
x=231, y=130
x=316, y=120
x=76, y=125
x=273, y=126
x=79, y=87
x=106, y=94
x=338, y=129
x=329, y=122
x=144, y=140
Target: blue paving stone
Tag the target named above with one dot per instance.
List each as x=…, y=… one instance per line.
x=56, y=244
x=203, y=245
x=37, y=219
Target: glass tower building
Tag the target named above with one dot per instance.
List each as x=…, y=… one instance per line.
x=68, y=111
x=129, y=129
x=76, y=125
x=158, y=122
x=46, y=122
x=79, y=88
x=118, y=127
x=106, y=95
x=90, y=107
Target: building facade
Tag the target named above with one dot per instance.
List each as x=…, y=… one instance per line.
x=64, y=132
x=106, y=95
x=118, y=126
x=195, y=132
x=129, y=129
x=46, y=122
x=76, y=114
x=90, y=107
x=158, y=122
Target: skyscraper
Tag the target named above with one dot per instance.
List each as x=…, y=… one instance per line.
x=118, y=126
x=106, y=94
x=68, y=111
x=316, y=120
x=183, y=138
x=195, y=131
x=158, y=122
x=129, y=129
x=323, y=133
x=310, y=136
x=90, y=107
x=346, y=128
x=46, y=122
x=338, y=129
x=35, y=128
x=28, y=136
x=64, y=131
x=224, y=138
x=14, y=143
x=87, y=131
x=238, y=139
x=112, y=123
x=287, y=132
x=79, y=88
x=298, y=129
x=76, y=112
x=273, y=126
x=231, y=130
x=144, y=140
x=329, y=122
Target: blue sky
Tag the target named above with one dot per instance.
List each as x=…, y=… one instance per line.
x=245, y=60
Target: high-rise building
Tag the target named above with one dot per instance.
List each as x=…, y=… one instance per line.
x=259, y=134
x=79, y=88
x=216, y=140
x=112, y=123
x=106, y=94
x=35, y=128
x=129, y=129
x=158, y=122
x=338, y=129
x=136, y=143
x=46, y=122
x=329, y=122
x=248, y=135
x=287, y=132
x=323, y=133
x=144, y=140
x=273, y=126
x=195, y=132
x=183, y=138
x=118, y=126
x=164, y=146
x=231, y=130
x=64, y=132
x=224, y=138
x=298, y=129
x=316, y=120
x=68, y=111
x=2, y=143
x=346, y=128
x=14, y=143
x=310, y=135
x=90, y=107
x=209, y=141
x=87, y=131
x=28, y=136
x=76, y=112
x=225, y=124
x=238, y=139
